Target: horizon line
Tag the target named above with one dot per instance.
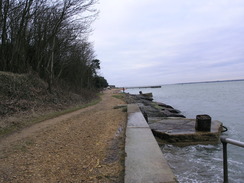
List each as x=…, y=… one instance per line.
x=193, y=82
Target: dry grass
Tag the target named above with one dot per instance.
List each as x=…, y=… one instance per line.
x=25, y=101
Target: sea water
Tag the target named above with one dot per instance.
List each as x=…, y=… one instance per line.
x=223, y=101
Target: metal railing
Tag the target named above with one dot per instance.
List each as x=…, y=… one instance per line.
x=225, y=163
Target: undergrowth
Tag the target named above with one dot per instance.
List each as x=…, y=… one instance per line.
x=25, y=100
x=18, y=126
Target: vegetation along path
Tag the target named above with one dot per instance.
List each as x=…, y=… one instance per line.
x=83, y=146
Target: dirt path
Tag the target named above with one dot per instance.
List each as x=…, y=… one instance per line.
x=83, y=146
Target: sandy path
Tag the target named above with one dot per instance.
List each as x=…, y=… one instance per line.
x=83, y=146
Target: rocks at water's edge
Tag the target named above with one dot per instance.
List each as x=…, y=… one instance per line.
x=170, y=126
x=153, y=109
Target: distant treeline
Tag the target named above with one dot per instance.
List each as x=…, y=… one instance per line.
x=49, y=37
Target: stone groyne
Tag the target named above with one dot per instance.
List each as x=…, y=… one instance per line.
x=170, y=126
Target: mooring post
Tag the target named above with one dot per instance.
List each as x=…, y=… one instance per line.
x=203, y=123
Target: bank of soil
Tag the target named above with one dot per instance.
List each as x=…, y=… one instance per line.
x=83, y=146
x=24, y=97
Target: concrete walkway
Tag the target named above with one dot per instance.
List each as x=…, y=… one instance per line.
x=144, y=161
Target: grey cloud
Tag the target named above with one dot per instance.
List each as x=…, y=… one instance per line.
x=170, y=41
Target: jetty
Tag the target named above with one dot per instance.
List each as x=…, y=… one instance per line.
x=134, y=87
x=182, y=131
x=148, y=121
x=170, y=126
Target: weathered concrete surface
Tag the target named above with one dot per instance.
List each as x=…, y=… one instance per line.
x=182, y=131
x=144, y=162
x=137, y=120
x=132, y=108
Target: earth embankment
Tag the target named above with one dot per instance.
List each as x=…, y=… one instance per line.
x=84, y=146
x=24, y=99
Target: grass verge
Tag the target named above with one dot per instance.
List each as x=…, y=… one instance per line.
x=120, y=96
x=15, y=127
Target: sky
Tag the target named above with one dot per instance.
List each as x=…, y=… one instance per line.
x=156, y=42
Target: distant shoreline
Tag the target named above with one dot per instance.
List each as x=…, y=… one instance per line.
x=218, y=81
x=159, y=86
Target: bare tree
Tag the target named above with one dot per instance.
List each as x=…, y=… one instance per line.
x=48, y=37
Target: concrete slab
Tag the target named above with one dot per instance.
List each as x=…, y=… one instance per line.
x=144, y=161
x=132, y=108
x=182, y=131
x=180, y=126
x=136, y=119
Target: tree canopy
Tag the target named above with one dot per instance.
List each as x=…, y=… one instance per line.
x=49, y=37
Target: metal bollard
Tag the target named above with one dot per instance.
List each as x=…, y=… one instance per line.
x=203, y=123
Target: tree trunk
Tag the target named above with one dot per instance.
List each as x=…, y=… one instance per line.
x=51, y=73
x=4, y=15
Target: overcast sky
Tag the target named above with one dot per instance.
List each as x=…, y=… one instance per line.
x=155, y=42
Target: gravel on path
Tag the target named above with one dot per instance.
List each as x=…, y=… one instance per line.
x=84, y=146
